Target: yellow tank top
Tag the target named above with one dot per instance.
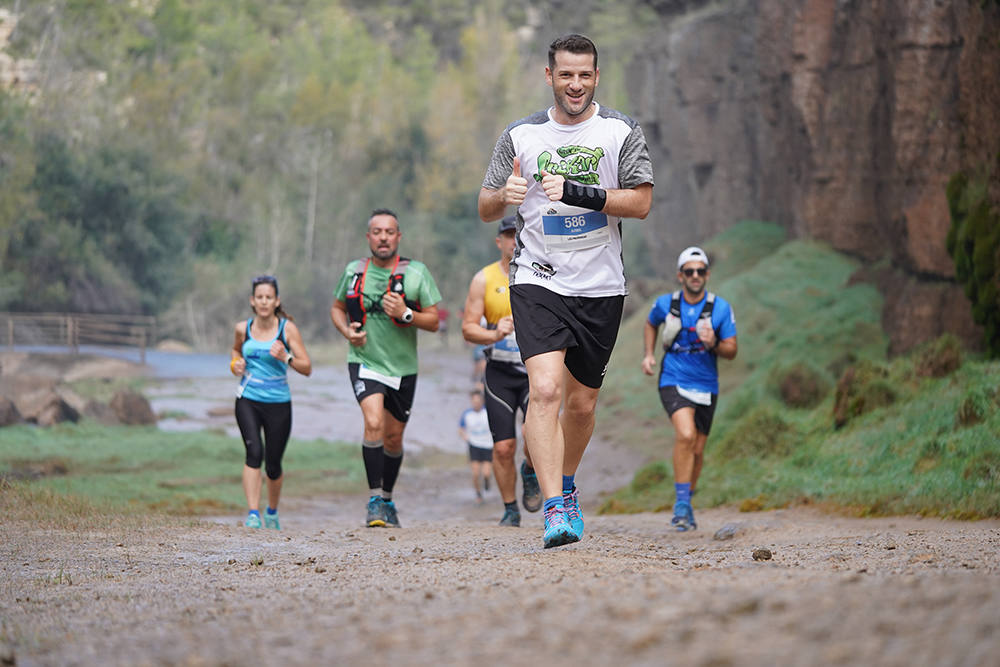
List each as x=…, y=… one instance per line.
x=496, y=302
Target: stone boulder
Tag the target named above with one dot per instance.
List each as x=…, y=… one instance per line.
x=45, y=407
x=132, y=408
x=9, y=414
x=100, y=412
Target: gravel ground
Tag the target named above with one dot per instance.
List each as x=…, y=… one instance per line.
x=452, y=587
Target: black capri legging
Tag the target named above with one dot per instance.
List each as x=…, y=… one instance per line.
x=275, y=419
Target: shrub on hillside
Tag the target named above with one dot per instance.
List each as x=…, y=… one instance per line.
x=651, y=475
x=800, y=385
x=862, y=388
x=983, y=467
x=762, y=432
x=975, y=406
x=938, y=358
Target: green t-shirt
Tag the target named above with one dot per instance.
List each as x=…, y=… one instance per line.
x=389, y=349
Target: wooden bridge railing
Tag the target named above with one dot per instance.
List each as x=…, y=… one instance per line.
x=75, y=329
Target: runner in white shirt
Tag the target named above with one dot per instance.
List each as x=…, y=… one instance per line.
x=474, y=428
x=573, y=171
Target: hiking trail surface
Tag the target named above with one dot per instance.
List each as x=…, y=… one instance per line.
x=790, y=587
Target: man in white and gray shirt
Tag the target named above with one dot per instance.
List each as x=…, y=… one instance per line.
x=573, y=171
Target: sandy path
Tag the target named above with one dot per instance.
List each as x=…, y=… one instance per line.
x=458, y=590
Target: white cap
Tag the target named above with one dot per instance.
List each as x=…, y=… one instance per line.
x=692, y=254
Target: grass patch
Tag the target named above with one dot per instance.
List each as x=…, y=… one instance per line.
x=130, y=469
x=916, y=435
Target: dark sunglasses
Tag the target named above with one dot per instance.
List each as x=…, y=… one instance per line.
x=265, y=280
x=691, y=272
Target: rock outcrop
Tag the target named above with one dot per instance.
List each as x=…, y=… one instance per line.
x=840, y=121
x=132, y=408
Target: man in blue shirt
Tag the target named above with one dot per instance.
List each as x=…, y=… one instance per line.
x=698, y=327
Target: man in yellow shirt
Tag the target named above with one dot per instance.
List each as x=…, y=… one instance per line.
x=488, y=321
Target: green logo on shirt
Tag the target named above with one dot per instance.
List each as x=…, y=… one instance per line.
x=578, y=163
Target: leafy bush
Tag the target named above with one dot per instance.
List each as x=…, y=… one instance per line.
x=863, y=388
x=651, y=475
x=938, y=358
x=760, y=433
x=975, y=406
x=974, y=244
x=800, y=385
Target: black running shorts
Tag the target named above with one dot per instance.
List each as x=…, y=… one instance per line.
x=506, y=390
x=586, y=327
x=397, y=401
x=480, y=454
x=703, y=414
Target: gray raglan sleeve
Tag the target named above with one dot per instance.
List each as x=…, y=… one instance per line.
x=634, y=166
x=501, y=164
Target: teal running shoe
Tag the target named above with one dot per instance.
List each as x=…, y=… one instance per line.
x=376, y=512
x=571, y=504
x=531, y=496
x=511, y=517
x=391, y=517
x=683, y=518
x=557, y=529
x=271, y=521
x=252, y=521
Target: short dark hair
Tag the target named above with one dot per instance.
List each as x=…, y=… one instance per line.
x=383, y=211
x=574, y=44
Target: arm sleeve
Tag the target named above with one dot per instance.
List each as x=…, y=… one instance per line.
x=657, y=314
x=634, y=166
x=340, y=293
x=501, y=164
x=727, y=326
x=427, y=293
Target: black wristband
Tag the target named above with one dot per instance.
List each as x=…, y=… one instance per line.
x=585, y=196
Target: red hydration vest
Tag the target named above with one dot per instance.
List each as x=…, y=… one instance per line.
x=355, y=302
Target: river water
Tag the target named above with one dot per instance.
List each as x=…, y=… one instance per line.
x=196, y=391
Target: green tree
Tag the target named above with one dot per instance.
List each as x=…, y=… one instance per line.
x=974, y=244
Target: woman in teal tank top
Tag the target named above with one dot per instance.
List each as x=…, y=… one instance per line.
x=265, y=347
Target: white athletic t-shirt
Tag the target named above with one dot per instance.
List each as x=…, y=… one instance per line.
x=477, y=428
x=570, y=251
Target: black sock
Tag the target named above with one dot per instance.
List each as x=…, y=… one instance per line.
x=390, y=469
x=512, y=505
x=372, y=453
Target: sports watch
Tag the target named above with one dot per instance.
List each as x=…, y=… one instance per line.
x=407, y=316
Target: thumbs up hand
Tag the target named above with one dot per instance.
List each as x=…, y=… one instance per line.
x=553, y=185
x=516, y=187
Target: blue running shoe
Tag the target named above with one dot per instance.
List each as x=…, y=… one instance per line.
x=271, y=521
x=252, y=521
x=571, y=504
x=391, y=518
x=511, y=517
x=531, y=495
x=557, y=529
x=376, y=512
x=683, y=518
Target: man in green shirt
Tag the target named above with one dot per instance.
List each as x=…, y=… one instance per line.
x=379, y=304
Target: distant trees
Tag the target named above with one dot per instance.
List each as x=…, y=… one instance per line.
x=176, y=148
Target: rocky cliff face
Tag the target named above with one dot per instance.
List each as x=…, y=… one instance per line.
x=841, y=120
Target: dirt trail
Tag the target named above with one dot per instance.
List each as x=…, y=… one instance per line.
x=451, y=587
